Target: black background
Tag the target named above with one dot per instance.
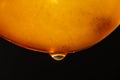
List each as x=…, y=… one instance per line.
x=100, y=62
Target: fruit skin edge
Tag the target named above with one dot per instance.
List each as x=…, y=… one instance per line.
x=48, y=52
x=20, y=45
x=54, y=53
x=43, y=51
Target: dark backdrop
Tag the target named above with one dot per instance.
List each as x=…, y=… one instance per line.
x=100, y=62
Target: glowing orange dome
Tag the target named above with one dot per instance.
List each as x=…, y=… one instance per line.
x=58, y=27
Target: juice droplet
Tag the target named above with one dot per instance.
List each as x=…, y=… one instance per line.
x=58, y=56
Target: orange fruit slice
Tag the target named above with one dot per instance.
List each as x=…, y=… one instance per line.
x=58, y=27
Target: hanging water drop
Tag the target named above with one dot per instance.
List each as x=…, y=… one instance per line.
x=58, y=56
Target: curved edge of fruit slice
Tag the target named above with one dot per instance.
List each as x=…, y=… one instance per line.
x=55, y=55
x=21, y=45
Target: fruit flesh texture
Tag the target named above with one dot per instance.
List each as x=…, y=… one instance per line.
x=58, y=26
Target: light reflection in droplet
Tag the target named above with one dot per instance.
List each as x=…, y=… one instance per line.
x=58, y=56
